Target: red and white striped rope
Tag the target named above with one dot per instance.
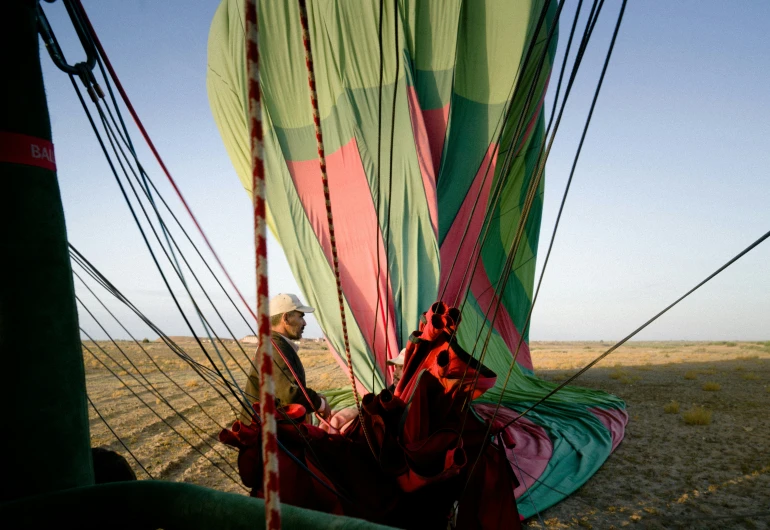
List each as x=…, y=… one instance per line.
x=327, y=197
x=270, y=483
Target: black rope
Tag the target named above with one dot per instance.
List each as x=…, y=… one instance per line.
x=193, y=446
x=379, y=197
x=196, y=429
x=497, y=194
x=521, y=224
x=147, y=385
x=205, y=372
x=174, y=264
x=147, y=242
x=146, y=353
x=640, y=328
x=594, y=13
x=390, y=171
x=118, y=437
x=534, y=183
x=55, y=45
x=500, y=128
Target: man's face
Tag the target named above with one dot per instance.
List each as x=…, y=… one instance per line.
x=397, y=371
x=294, y=324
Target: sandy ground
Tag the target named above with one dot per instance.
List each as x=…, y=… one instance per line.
x=665, y=474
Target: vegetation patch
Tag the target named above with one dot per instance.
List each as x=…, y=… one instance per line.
x=712, y=386
x=618, y=374
x=671, y=408
x=750, y=376
x=697, y=416
x=691, y=375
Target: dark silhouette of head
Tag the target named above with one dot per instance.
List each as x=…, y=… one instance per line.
x=110, y=466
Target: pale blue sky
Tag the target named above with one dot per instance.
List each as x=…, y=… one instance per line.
x=673, y=180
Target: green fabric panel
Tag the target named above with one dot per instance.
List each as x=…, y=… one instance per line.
x=413, y=253
x=472, y=128
x=581, y=444
x=492, y=37
x=467, y=121
x=431, y=32
x=434, y=88
x=517, y=296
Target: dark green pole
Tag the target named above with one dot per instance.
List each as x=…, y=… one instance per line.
x=44, y=440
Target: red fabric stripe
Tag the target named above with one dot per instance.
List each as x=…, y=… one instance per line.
x=484, y=292
x=424, y=156
x=435, y=124
x=356, y=243
x=458, y=248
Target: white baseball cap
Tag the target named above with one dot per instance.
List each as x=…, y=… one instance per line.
x=398, y=361
x=283, y=303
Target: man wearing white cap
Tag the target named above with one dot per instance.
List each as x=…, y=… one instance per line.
x=287, y=322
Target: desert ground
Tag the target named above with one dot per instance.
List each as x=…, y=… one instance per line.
x=696, y=452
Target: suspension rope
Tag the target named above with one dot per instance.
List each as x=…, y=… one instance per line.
x=120, y=441
x=136, y=395
x=271, y=484
x=497, y=190
x=500, y=126
x=155, y=152
x=147, y=354
x=379, y=199
x=94, y=96
x=386, y=314
x=206, y=373
x=640, y=328
x=208, y=329
x=149, y=388
x=541, y=157
x=540, y=170
x=524, y=215
x=329, y=217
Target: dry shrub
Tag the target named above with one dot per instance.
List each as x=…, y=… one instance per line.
x=750, y=377
x=192, y=383
x=697, y=416
x=671, y=408
x=711, y=386
x=739, y=368
x=646, y=367
x=691, y=375
x=617, y=373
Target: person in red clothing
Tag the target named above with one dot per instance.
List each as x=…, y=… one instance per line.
x=287, y=322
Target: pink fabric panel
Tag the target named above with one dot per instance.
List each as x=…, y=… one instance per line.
x=423, y=148
x=532, y=450
x=435, y=124
x=459, y=247
x=356, y=230
x=485, y=295
x=615, y=420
